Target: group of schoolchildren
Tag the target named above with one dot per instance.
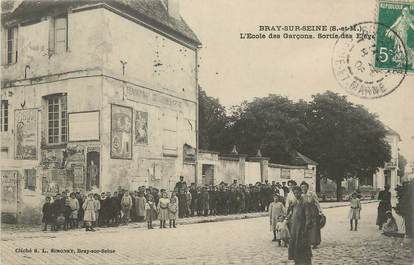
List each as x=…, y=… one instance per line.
x=70, y=210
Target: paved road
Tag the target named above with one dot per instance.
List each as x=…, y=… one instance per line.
x=242, y=241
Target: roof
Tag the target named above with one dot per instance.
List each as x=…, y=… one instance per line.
x=392, y=132
x=152, y=12
x=301, y=159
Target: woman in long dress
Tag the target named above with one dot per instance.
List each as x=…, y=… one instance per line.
x=300, y=220
x=384, y=205
x=316, y=211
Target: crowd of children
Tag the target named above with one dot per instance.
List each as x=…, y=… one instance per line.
x=70, y=210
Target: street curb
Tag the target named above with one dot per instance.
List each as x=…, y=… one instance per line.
x=186, y=221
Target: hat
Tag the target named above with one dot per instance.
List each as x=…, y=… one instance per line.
x=322, y=221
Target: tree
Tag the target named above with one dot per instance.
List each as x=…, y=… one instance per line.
x=213, y=123
x=271, y=124
x=402, y=162
x=345, y=139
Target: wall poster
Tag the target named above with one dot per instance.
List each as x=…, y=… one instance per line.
x=141, y=127
x=121, y=132
x=26, y=134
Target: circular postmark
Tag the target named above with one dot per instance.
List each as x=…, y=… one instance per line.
x=357, y=58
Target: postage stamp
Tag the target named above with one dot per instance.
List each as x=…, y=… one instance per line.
x=399, y=18
x=354, y=57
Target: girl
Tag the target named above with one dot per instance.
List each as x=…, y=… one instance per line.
x=276, y=210
x=126, y=205
x=173, y=211
x=283, y=231
x=150, y=210
x=163, y=209
x=89, y=212
x=354, y=211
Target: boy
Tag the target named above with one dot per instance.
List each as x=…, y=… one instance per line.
x=47, y=214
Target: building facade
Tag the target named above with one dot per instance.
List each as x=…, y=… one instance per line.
x=95, y=95
x=389, y=174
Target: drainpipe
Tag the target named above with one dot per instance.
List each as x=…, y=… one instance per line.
x=197, y=116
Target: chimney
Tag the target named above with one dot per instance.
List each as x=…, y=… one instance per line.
x=173, y=8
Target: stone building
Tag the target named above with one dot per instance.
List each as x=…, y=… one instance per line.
x=389, y=174
x=95, y=95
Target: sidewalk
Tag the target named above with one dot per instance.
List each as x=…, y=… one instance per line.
x=9, y=232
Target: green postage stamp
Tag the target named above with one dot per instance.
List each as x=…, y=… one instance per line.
x=395, y=38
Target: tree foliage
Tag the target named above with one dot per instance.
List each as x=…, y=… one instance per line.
x=271, y=124
x=345, y=139
x=213, y=123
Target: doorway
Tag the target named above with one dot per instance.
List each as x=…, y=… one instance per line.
x=387, y=177
x=92, y=170
x=207, y=174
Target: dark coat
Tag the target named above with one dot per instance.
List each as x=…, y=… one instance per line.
x=384, y=205
x=300, y=224
x=47, y=213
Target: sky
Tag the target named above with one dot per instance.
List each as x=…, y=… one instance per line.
x=234, y=70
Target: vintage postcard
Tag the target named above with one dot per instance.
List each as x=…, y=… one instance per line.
x=207, y=132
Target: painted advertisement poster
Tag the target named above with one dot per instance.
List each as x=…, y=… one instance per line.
x=141, y=127
x=26, y=134
x=121, y=132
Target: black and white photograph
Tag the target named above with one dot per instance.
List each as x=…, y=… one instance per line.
x=207, y=132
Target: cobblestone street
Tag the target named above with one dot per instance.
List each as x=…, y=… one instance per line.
x=240, y=241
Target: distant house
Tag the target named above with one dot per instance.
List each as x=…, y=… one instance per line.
x=389, y=174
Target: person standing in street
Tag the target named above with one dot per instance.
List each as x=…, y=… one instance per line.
x=140, y=202
x=384, y=205
x=89, y=212
x=180, y=188
x=126, y=205
x=173, y=211
x=312, y=199
x=354, y=211
x=150, y=211
x=163, y=209
x=300, y=219
x=276, y=210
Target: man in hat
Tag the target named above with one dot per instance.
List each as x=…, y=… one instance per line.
x=180, y=187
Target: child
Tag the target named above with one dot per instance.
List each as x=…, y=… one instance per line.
x=89, y=212
x=390, y=228
x=74, y=208
x=276, y=209
x=173, y=211
x=47, y=214
x=282, y=231
x=163, y=209
x=150, y=210
x=354, y=211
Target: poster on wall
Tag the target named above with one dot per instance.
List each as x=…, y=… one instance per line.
x=285, y=173
x=141, y=127
x=83, y=126
x=78, y=174
x=121, y=132
x=26, y=134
